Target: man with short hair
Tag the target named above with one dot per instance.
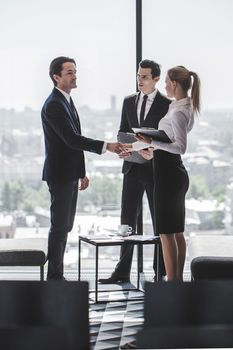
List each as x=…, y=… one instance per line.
x=143, y=109
x=64, y=166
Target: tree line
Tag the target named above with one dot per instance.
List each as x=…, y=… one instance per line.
x=103, y=191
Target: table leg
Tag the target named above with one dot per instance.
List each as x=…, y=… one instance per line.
x=79, y=259
x=140, y=257
x=138, y=266
x=158, y=262
x=96, y=272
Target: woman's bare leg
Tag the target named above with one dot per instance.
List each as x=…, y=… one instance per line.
x=181, y=245
x=170, y=255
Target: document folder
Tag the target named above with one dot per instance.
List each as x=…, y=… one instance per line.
x=135, y=157
x=157, y=135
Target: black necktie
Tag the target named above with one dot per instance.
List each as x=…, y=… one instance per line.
x=142, y=112
x=73, y=107
x=75, y=113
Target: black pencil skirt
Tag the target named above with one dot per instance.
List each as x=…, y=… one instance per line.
x=171, y=185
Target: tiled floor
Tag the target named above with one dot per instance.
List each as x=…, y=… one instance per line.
x=115, y=323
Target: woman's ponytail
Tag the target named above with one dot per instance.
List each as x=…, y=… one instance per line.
x=195, y=92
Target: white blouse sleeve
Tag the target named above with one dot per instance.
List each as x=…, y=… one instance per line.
x=179, y=125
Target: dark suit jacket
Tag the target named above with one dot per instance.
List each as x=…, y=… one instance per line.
x=129, y=120
x=64, y=144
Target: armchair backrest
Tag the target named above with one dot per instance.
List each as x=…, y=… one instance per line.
x=189, y=303
x=53, y=304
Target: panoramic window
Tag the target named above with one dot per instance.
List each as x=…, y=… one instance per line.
x=197, y=34
x=100, y=36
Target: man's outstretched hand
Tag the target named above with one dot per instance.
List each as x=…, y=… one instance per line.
x=115, y=147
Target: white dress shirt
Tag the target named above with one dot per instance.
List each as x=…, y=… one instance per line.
x=149, y=102
x=67, y=96
x=178, y=121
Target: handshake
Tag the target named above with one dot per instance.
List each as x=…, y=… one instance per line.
x=118, y=147
x=124, y=150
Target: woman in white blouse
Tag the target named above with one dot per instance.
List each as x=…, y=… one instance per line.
x=171, y=177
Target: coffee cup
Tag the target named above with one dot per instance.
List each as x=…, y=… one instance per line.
x=124, y=230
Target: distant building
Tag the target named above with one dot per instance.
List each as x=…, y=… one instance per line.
x=228, y=220
x=210, y=213
x=7, y=226
x=113, y=104
x=211, y=166
x=42, y=217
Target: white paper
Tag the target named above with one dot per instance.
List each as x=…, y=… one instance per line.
x=138, y=145
x=139, y=238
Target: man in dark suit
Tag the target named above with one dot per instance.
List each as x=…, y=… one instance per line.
x=64, y=166
x=143, y=109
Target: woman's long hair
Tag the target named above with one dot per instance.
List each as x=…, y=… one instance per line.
x=183, y=76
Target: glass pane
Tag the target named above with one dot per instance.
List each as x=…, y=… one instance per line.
x=100, y=36
x=197, y=34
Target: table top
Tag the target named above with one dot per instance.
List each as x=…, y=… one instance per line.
x=105, y=240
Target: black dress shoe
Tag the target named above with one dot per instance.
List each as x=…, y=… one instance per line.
x=114, y=279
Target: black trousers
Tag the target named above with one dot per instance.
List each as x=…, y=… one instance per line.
x=135, y=183
x=62, y=213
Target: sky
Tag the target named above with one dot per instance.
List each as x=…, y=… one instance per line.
x=100, y=35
